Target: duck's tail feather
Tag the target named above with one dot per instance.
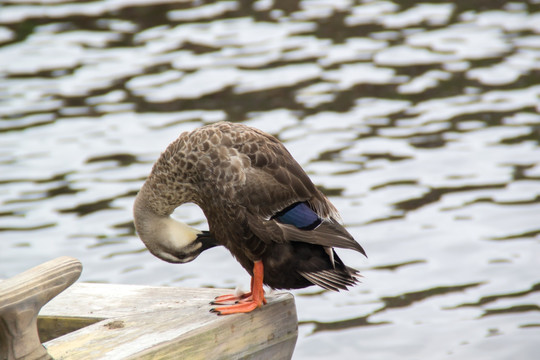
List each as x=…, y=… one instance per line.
x=334, y=280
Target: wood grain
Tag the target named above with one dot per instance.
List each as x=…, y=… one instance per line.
x=145, y=322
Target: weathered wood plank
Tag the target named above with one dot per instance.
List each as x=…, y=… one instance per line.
x=103, y=301
x=142, y=322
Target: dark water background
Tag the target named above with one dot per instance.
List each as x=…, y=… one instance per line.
x=419, y=120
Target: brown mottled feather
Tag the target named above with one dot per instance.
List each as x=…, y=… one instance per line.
x=241, y=177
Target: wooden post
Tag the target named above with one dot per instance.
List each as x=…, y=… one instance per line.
x=21, y=299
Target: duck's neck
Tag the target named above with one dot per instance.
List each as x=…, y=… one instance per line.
x=166, y=238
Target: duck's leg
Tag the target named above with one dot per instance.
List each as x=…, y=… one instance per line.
x=251, y=302
x=230, y=299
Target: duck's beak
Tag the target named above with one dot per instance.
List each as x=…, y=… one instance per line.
x=206, y=240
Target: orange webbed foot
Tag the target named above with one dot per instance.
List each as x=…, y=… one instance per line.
x=244, y=307
x=247, y=302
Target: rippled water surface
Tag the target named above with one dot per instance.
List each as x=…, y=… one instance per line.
x=420, y=121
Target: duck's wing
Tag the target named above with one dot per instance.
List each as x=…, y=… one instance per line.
x=275, y=181
x=281, y=202
x=329, y=233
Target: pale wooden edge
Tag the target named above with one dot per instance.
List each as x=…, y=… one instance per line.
x=267, y=333
x=40, y=283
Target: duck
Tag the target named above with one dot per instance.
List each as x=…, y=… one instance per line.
x=259, y=204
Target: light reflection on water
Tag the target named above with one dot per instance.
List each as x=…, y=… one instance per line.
x=420, y=122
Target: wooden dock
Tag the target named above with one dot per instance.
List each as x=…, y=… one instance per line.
x=107, y=321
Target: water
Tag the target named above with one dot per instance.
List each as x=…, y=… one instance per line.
x=419, y=121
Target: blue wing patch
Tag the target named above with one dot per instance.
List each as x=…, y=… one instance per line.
x=299, y=215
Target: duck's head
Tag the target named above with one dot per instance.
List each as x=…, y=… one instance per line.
x=168, y=239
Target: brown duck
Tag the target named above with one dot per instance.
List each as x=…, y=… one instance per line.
x=260, y=205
